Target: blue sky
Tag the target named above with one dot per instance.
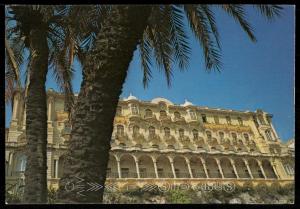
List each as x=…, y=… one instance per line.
x=253, y=75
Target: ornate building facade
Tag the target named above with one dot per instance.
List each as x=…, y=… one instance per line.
x=157, y=142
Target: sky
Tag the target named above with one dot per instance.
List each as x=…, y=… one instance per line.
x=253, y=75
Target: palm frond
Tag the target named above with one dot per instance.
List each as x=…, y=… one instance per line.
x=269, y=11
x=146, y=53
x=200, y=26
x=211, y=19
x=238, y=13
x=179, y=38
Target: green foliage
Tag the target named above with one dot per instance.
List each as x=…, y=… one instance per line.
x=14, y=193
x=178, y=196
x=52, y=195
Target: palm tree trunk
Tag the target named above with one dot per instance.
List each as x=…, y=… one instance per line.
x=103, y=76
x=35, y=190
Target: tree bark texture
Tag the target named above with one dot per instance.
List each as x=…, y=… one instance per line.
x=92, y=124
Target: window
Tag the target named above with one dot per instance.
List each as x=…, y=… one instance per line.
x=228, y=119
x=163, y=113
x=160, y=172
x=134, y=109
x=181, y=133
x=135, y=130
x=55, y=168
x=193, y=115
x=120, y=130
x=208, y=134
x=108, y=172
x=204, y=118
x=177, y=114
x=289, y=170
x=151, y=131
x=125, y=172
x=269, y=135
x=240, y=121
x=148, y=113
x=234, y=136
x=246, y=137
x=221, y=134
x=119, y=110
x=167, y=131
x=216, y=119
x=261, y=119
x=269, y=120
x=195, y=134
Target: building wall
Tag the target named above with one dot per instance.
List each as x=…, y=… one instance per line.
x=186, y=157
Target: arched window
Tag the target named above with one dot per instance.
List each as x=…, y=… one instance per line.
x=208, y=134
x=134, y=109
x=261, y=119
x=151, y=131
x=246, y=137
x=181, y=133
x=234, y=136
x=269, y=135
x=119, y=110
x=195, y=134
x=176, y=114
x=216, y=119
x=120, y=130
x=240, y=121
x=204, y=119
x=221, y=134
x=135, y=130
x=148, y=113
x=163, y=113
x=167, y=131
x=228, y=119
x=193, y=115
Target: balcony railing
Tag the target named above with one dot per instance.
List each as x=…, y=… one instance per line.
x=147, y=175
x=183, y=175
x=112, y=175
x=165, y=175
x=129, y=175
x=199, y=175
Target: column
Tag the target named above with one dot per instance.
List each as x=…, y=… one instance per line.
x=204, y=167
x=137, y=168
x=15, y=107
x=50, y=109
x=220, y=168
x=189, y=167
x=234, y=169
x=274, y=169
x=119, y=168
x=262, y=170
x=248, y=168
x=155, y=168
x=56, y=168
x=10, y=164
x=173, y=169
x=24, y=118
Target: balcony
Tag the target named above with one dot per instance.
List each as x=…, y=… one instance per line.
x=199, y=175
x=165, y=118
x=185, y=141
x=226, y=127
x=179, y=120
x=113, y=175
x=165, y=175
x=182, y=175
x=129, y=175
x=147, y=175
x=150, y=118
